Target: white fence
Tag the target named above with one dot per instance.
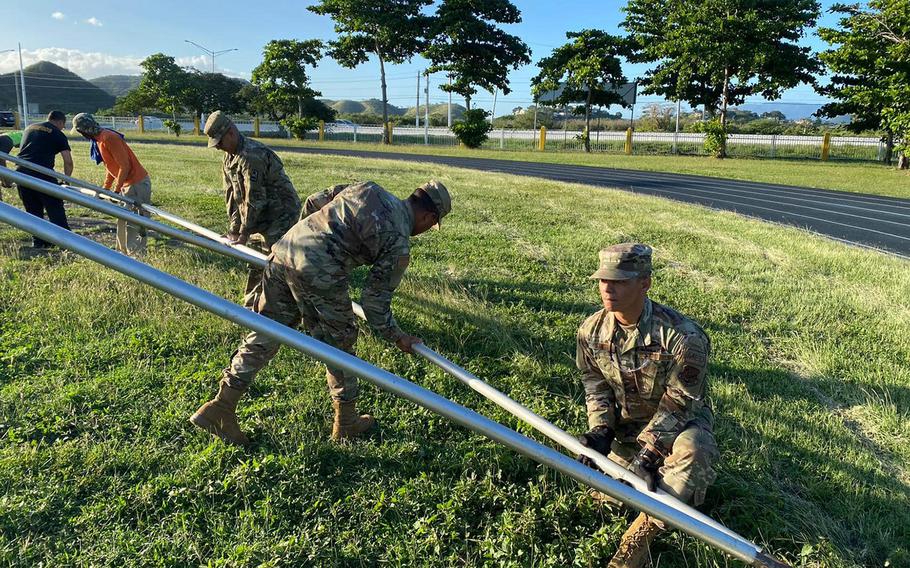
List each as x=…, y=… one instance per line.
x=744, y=145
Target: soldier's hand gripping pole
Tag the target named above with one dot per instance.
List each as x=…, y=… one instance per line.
x=738, y=548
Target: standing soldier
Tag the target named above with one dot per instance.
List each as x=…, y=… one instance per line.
x=644, y=368
x=307, y=281
x=261, y=201
x=124, y=175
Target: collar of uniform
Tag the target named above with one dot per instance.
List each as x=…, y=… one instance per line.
x=407, y=207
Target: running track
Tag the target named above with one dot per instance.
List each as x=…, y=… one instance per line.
x=862, y=220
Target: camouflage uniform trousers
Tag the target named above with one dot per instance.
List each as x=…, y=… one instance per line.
x=689, y=469
x=325, y=313
x=263, y=244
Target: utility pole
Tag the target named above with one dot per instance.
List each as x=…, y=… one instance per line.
x=417, y=106
x=426, y=111
x=493, y=112
x=212, y=54
x=450, y=103
x=22, y=84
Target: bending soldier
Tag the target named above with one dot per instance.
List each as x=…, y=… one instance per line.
x=643, y=367
x=306, y=281
x=261, y=201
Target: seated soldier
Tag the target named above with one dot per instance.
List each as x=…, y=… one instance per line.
x=644, y=367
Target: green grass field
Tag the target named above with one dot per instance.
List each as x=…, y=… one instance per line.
x=98, y=374
x=859, y=177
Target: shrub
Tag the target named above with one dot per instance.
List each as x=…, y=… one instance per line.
x=715, y=137
x=298, y=127
x=473, y=127
x=173, y=126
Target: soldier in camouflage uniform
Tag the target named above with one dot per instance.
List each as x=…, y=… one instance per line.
x=643, y=368
x=322, y=198
x=307, y=281
x=261, y=201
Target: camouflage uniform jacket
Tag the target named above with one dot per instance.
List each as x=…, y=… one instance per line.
x=649, y=381
x=259, y=196
x=363, y=225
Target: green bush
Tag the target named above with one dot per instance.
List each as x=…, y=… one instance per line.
x=715, y=137
x=473, y=127
x=298, y=127
x=173, y=126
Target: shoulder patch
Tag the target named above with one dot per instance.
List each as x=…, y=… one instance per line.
x=254, y=175
x=689, y=375
x=403, y=261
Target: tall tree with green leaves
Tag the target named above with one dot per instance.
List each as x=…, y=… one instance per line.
x=281, y=78
x=870, y=62
x=392, y=30
x=474, y=52
x=587, y=68
x=208, y=92
x=718, y=52
x=164, y=82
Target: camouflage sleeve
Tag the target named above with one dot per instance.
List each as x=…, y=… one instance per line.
x=320, y=199
x=230, y=202
x=255, y=170
x=599, y=398
x=684, y=396
x=384, y=278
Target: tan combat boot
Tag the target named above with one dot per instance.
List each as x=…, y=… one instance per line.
x=218, y=416
x=633, y=549
x=347, y=423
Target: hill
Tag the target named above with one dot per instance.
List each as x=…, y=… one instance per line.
x=437, y=110
x=370, y=106
x=117, y=85
x=52, y=87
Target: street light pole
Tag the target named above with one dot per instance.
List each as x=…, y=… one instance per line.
x=212, y=54
x=22, y=84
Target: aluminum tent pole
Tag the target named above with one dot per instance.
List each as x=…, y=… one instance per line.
x=54, y=190
x=750, y=554
x=518, y=410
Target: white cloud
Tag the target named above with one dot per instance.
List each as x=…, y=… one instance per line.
x=58, y=15
x=93, y=21
x=95, y=64
x=85, y=64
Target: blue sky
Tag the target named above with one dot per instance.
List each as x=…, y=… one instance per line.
x=100, y=37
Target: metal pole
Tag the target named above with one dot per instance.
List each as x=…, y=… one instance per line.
x=396, y=385
x=676, y=134
x=426, y=110
x=493, y=110
x=22, y=84
x=450, y=103
x=54, y=190
x=18, y=96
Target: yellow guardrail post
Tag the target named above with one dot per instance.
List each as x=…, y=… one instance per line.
x=141, y=124
x=826, y=146
x=195, y=126
x=256, y=127
x=16, y=121
x=389, y=130
x=628, y=147
x=542, y=142
x=321, y=130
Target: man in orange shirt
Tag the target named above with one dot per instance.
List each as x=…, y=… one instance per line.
x=124, y=175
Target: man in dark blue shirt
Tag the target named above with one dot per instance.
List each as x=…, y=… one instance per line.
x=40, y=145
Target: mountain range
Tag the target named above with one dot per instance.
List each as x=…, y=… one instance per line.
x=51, y=87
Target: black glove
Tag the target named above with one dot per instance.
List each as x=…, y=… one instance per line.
x=645, y=466
x=599, y=439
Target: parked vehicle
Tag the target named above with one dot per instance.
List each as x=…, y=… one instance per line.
x=7, y=118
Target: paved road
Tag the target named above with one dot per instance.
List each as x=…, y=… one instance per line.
x=863, y=220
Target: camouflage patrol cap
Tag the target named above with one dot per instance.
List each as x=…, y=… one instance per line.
x=84, y=123
x=217, y=126
x=624, y=262
x=440, y=197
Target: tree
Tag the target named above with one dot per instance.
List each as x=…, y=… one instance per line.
x=871, y=67
x=718, y=52
x=163, y=84
x=208, y=92
x=471, y=49
x=392, y=30
x=281, y=78
x=589, y=69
